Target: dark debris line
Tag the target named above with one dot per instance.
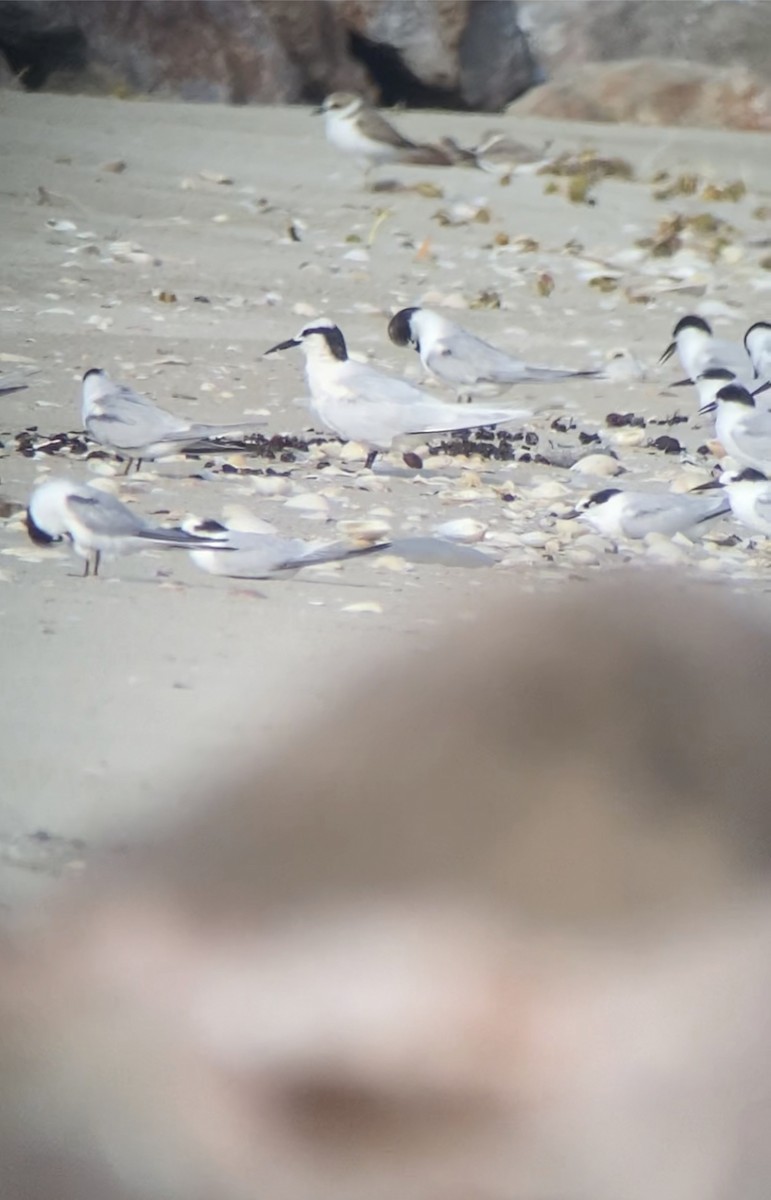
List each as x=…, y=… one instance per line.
x=497, y=445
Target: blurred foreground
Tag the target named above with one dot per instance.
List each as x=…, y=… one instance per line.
x=501, y=929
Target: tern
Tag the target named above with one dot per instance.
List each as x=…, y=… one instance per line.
x=464, y=361
x=362, y=404
x=743, y=429
x=616, y=513
x=96, y=523
x=130, y=425
x=757, y=343
x=265, y=554
x=699, y=351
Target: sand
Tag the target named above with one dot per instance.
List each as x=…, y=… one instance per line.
x=126, y=695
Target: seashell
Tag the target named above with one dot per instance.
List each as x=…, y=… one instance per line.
x=308, y=502
x=272, y=485
x=598, y=464
x=363, y=530
x=465, y=529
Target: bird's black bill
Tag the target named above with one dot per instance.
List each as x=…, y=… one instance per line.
x=708, y=487
x=283, y=346
x=682, y=383
x=763, y=388
x=708, y=408
x=668, y=353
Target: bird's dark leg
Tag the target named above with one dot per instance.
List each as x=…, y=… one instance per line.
x=370, y=459
x=139, y=465
x=127, y=467
x=97, y=560
x=87, y=568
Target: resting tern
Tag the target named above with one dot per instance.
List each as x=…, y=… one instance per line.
x=698, y=351
x=616, y=513
x=130, y=425
x=462, y=360
x=355, y=127
x=743, y=429
x=97, y=523
x=361, y=404
x=266, y=554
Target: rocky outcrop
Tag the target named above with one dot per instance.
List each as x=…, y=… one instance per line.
x=460, y=53
x=649, y=92
x=565, y=34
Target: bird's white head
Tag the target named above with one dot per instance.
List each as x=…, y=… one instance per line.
x=757, y=341
x=688, y=335
x=418, y=327
x=320, y=339
x=96, y=385
x=45, y=517
x=710, y=383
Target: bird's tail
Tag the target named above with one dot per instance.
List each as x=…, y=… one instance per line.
x=211, y=432
x=333, y=552
x=549, y=374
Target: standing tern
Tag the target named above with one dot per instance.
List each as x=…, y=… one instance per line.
x=757, y=343
x=743, y=429
x=361, y=404
x=97, y=523
x=266, y=555
x=699, y=350
x=616, y=513
x=749, y=494
x=462, y=360
x=130, y=425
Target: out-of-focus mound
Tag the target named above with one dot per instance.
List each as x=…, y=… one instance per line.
x=503, y=917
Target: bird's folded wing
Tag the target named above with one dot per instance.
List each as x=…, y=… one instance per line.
x=103, y=514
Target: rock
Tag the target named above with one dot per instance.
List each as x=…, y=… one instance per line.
x=240, y=51
x=568, y=33
x=648, y=92
x=8, y=78
x=448, y=52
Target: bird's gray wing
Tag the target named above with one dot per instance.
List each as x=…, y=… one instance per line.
x=15, y=381
x=129, y=426
x=763, y=505
x=668, y=514
x=754, y=440
x=104, y=514
x=259, y=555
x=462, y=358
x=380, y=407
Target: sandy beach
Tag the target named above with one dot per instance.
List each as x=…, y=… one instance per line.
x=221, y=233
